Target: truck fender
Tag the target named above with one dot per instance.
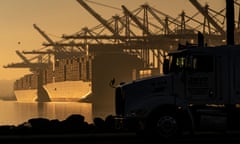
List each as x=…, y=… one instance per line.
x=179, y=118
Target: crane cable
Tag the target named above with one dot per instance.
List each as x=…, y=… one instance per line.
x=103, y=5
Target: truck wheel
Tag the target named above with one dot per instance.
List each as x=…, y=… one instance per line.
x=164, y=126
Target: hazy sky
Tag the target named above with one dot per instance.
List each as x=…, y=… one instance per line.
x=57, y=17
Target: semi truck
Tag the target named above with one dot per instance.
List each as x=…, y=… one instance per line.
x=198, y=91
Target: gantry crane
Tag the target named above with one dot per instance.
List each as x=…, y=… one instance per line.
x=39, y=68
x=59, y=49
x=100, y=19
x=205, y=13
x=136, y=20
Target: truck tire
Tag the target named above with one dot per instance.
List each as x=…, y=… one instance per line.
x=165, y=126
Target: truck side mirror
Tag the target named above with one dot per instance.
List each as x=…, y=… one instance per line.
x=166, y=66
x=112, y=83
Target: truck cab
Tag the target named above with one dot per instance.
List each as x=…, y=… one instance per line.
x=199, y=90
x=206, y=75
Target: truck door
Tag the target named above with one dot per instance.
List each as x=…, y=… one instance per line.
x=199, y=83
x=235, y=99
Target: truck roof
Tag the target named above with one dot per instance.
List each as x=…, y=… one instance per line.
x=215, y=50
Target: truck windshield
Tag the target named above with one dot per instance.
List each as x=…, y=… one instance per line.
x=194, y=63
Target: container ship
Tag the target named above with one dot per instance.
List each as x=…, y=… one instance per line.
x=79, y=78
x=67, y=91
x=65, y=79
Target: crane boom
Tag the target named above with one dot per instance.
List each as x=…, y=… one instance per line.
x=43, y=34
x=39, y=52
x=97, y=16
x=209, y=18
x=23, y=57
x=135, y=20
x=24, y=65
x=158, y=18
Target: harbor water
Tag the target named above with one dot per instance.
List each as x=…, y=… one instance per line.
x=15, y=113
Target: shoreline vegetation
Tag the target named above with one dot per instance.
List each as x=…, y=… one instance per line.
x=74, y=124
x=75, y=129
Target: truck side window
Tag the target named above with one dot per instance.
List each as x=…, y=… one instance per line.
x=177, y=64
x=180, y=62
x=202, y=63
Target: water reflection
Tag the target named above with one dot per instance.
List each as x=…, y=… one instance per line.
x=14, y=113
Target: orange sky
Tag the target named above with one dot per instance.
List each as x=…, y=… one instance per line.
x=57, y=17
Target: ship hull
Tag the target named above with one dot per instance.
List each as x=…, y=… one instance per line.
x=67, y=91
x=28, y=95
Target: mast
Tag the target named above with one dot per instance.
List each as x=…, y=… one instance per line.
x=230, y=21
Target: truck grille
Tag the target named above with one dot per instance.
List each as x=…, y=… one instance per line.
x=119, y=101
